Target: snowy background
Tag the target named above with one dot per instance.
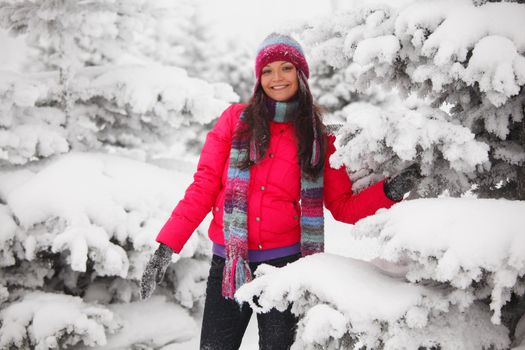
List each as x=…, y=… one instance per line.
x=104, y=106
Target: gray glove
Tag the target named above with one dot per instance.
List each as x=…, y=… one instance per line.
x=396, y=186
x=155, y=269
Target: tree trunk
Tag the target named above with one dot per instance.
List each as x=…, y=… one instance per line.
x=520, y=190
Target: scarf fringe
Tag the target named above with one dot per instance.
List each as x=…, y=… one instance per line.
x=236, y=273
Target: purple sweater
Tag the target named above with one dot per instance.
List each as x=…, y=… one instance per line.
x=262, y=255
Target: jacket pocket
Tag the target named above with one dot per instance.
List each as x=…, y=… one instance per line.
x=280, y=217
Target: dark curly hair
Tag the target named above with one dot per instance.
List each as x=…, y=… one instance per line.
x=257, y=117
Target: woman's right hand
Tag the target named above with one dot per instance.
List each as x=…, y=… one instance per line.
x=154, y=271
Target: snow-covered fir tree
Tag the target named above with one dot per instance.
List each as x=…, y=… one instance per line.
x=179, y=37
x=77, y=217
x=440, y=271
x=189, y=43
x=234, y=64
x=460, y=83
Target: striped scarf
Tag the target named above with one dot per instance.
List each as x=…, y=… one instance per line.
x=236, y=269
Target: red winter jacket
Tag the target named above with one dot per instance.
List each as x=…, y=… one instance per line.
x=273, y=193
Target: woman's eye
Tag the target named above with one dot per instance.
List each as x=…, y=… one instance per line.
x=287, y=68
x=266, y=71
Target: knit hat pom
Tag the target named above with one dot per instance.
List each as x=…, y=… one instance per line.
x=280, y=47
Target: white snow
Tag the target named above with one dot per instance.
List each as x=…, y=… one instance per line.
x=139, y=106
x=7, y=235
x=434, y=38
x=362, y=293
x=383, y=48
x=497, y=66
x=356, y=303
x=321, y=323
x=39, y=320
x=152, y=323
x=460, y=241
x=373, y=136
x=478, y=232
x=96, y=198
x=165, y=91
x=110, y=259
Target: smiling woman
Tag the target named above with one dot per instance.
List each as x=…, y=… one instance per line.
x=265, y=174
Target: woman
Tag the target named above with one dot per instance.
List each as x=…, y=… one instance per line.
x=264, y=173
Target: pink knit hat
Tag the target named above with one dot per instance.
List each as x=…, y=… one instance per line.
x=279, y=47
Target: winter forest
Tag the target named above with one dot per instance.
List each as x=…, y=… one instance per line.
x=100, y=132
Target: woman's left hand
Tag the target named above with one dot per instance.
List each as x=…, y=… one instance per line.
x=397, y=186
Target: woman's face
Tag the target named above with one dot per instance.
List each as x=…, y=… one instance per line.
x=279, y=80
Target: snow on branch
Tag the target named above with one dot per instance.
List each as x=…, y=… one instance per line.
x=83, y=241
x=46, y=321
x=150, y=324
x=99, y=213
x=430, y=41
x=92, y=188
x=4, y=294
x=164, y=92
x=130, y=106
x=83, y=32
x=7, y=236
x=475, y=245
x=341, y=302
x=382, y=139
x=191, y=276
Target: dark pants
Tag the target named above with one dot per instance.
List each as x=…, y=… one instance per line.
x=225, y=321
